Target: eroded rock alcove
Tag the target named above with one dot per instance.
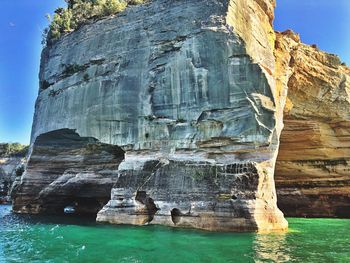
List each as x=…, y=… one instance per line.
x=65, y=169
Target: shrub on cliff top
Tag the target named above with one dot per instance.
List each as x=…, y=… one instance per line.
x=13, y=149
x=78, y=12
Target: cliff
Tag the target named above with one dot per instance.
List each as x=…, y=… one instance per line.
x=312, y=170
x=178, y=113
x=12, y=163
x=176, y=120
x=8, y=167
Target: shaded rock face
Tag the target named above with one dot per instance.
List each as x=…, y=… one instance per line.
x=187, y=93
x=312, y=170
x=65, y=169
x=9, y=168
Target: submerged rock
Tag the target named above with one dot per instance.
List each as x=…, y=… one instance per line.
x=186, y=89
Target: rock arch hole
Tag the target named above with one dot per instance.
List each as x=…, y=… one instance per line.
x=82, y=206
x=150, y=207
x=176, y=215
x=82, y=183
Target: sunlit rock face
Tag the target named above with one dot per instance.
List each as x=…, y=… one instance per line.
x=312, y=171
x=186, y=89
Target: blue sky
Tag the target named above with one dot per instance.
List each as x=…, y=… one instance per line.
x=21, y=25
x=324, y=22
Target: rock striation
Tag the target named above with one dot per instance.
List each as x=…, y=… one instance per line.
x=312, y=170
x=175, y=119
x=65, y=169
x=11, y=167
x=8, y=167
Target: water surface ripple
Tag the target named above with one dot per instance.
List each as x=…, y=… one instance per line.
x=54, y=239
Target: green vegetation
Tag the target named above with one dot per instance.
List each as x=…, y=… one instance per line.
x=71, y=69
x=19, y=170
x=44, y=85
x=54, y=93
x=78, y=12
x=180, y=120
x=86, y=77
x=13, y=149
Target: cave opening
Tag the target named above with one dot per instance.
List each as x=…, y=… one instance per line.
x=151, y=208
x=82, y=174
x=176, y=215
x=83, y=206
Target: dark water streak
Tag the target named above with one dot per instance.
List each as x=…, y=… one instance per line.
x=67, y=239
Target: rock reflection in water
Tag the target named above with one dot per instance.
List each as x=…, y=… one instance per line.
x=271, y=248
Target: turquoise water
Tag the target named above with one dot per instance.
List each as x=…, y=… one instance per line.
x=45, y=239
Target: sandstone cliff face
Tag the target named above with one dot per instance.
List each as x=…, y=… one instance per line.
x=312, y=171
x=8, y=167
x=179, y=98
x=65, y=169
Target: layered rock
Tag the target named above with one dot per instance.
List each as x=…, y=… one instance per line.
x=65, y=169
x=188, y=94
x=312, y=171
x=11, y=166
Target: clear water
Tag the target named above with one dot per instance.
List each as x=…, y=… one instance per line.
x=45, y=239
